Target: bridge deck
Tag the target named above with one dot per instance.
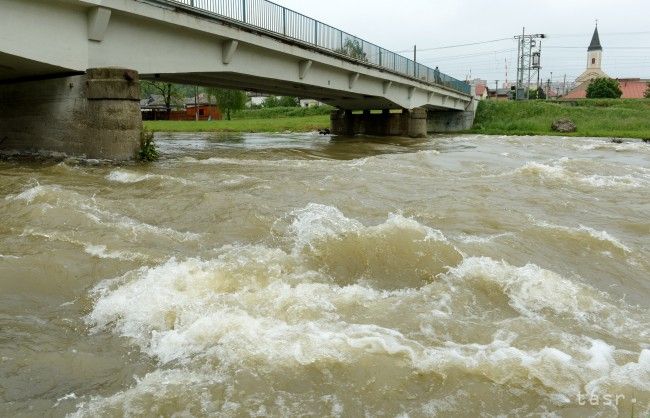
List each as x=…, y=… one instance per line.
x=285, y=23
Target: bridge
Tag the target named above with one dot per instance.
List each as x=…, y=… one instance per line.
x=69, y=70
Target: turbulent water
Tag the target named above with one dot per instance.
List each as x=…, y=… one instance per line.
x=300, y=275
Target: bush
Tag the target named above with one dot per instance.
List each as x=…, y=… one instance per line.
x=604, y=88
x=148, y=151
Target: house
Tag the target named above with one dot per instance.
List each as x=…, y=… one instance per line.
x=154, y=107
x=500, y=94
x=205, y=106
x=482, y=91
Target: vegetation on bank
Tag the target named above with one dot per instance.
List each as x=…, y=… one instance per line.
x=276, y=119
x=293, y=124
x=623, y=118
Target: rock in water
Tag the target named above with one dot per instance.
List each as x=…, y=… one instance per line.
x=564, y=125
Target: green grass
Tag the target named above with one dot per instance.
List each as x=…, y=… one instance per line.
x=293, y=124
x=600, y=118
x=282, y=112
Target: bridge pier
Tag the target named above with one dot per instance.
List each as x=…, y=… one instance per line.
x=415, y=123
x=411, y=123
x=94, y=115
x=441, y=121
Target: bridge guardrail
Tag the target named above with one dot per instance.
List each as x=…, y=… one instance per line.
x=272, y=17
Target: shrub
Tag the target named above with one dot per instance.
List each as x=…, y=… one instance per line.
x=604, y=88
x=148, y=150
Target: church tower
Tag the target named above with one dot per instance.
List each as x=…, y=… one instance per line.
x=594, y=60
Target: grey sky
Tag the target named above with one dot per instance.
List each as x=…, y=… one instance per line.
x=624, y=27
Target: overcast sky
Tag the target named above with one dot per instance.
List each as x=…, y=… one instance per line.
x=624, y=27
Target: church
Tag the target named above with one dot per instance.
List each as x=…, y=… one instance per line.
x=632, y=88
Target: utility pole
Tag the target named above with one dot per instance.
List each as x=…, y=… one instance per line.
x=527, y=61
x=496, y=89
x=196, y=103
x=415, y=61
x=564, y=86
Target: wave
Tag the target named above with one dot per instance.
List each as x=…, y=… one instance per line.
x=587, y=234
x=336, y=297
x=399, y=252
x=43, y=198
x=129, y=177
x=558, y=172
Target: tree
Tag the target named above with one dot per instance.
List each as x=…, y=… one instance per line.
x=647, y=92
x=353, y=49
x=171, y=93
x=288, y=101
x=271, y=101
x=603, y=88
x=538, y=93
x=228, y=100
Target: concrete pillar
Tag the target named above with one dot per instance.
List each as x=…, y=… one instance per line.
x=411, y=123
x=442, y=121
x=95, y=115
x=342, y=122
x=417, y=123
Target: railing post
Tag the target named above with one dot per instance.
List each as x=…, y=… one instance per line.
x=380, y=57
x=316, y=32
x=243, y=6
x=284, y=21
x=192, y=3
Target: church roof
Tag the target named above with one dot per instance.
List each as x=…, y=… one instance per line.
x=595, y=42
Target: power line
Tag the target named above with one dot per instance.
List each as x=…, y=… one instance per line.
x=609, y=47
x=459, y=45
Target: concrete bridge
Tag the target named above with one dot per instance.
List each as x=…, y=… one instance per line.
x=69, y=70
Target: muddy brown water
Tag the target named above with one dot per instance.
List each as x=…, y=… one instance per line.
x=301, y=275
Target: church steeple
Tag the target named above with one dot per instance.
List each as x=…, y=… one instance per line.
x=594, y=59
x=595, y=41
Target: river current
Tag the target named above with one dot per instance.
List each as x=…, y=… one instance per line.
x=302, y=275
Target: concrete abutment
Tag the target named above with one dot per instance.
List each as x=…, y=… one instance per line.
x=94, y=115
x=414, y=123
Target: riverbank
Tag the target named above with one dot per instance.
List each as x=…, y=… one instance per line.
x=593, y=118
x=255, y=120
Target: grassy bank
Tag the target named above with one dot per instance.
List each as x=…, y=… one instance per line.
x=278, y=119
x=602, y=118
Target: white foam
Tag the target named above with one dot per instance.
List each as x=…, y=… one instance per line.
x=532, y=290
x=129, y=177
x=13, y=257
x=34, y=192
x=481, y=239
x=557, y=171
x=316, y=222
x=100, y=251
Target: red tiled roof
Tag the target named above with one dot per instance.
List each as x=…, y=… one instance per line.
x=632, y=89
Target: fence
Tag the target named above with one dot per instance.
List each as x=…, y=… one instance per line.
x=274, y=18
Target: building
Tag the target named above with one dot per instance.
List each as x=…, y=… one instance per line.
x=632, y=88
x=594, y=61
x=155, y=108
x=207, y=109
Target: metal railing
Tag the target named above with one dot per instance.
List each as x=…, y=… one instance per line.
x=264, y=14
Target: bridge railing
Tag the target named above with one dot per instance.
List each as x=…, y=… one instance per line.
x=272, y=17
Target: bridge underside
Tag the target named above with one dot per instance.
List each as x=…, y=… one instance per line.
x=65, y=38
x=264, y=85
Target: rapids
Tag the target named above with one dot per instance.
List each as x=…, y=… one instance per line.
x=301, y=275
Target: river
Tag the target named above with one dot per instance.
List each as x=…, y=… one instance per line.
x=303, y=275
